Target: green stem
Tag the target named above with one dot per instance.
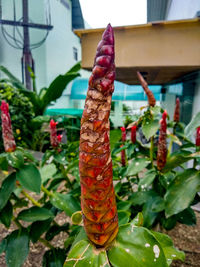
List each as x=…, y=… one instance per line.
x=47, y=192
x=65, y=175
x=30, y=198
x=17, y=222
x=151, y=150
x=46, y=243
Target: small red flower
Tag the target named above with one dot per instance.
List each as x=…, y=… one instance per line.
x=7, y=133
x=177, y=111
x=198, y=136
x=162, y=143
x=133, y=133
x=123, y=157
x=54, y=138
x=123, y=129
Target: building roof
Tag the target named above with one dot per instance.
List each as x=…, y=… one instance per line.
x=77, y=17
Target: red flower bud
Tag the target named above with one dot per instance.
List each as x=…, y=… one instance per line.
x=198, y=136
x=53, y=134
x=150, y=96
x=59, y=138
x=133, y=133
x=123, y=157
x=7, y=133
x=177, y=111
x=123, y=129
x=162, y=144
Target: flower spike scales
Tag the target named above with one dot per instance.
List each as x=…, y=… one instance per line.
x=95, y=165
x=7, y=132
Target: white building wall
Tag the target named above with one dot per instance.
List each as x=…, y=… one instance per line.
x=183, y=9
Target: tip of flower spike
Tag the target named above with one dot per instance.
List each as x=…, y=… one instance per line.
x=59, y=138
x=164, y=115
x=177, y=100
x=123, y=129
x=53, y=123
x=4, y=106
x=108, y=35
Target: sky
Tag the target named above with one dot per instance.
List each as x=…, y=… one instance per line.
x=98, y=13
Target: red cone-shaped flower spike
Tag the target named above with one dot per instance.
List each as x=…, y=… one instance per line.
x=123, y=129
x=95, y=165
x=7, y=133
x=177, y=111
x=133, y=133
x=162, y=143
x=123, y=157
x=53, y=134
x=198, y=137
x=150, y=96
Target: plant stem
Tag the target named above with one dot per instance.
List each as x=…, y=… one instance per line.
x=46, y=243
x=151, y=150
x=30, y=198
x=47, y=192
x=17, y=223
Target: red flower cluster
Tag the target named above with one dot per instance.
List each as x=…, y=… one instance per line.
x=123, y=153
x=162, y=144
x=54, y=138
x=133, y=133
x=198, y=136
x=7, y=133
x=177, y=111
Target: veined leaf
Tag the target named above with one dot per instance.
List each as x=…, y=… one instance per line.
x=190, y=129
x=136, y=166
x=35, y=214
x=150, y=128
x=6, y=189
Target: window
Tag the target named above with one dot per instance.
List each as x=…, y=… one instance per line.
x=75, y=53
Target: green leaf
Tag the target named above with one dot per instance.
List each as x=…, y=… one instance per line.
x=37, y=122
x=3, y=162
x=176, y=159
x=138, y=220
x=169, y=223
x=17, y=248
x=3, y=244
x=187, y=217
x=150, y=128
x=141, y=197
x=136, y=166
x=84, y=254
x=171, y=253
x=6, y=214
x=29, y=177
x=56, y=88
x=190, y=129
x=136, y=246
x=7, y=188
x=54, y=258
x=123, y=217
x=15, y=159
x=181, y=191
x=65, y=202
x=75, y=68
x=35, y=214
x=147, y=180
x=55, y=230
x=47, y=172
x=38, y=228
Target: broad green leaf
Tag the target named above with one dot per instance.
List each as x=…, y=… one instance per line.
x=15, y=159
x=181, y=191
x=171, y=253
x=168, y=223
x=60, y=158
x=190, y=129
x=3, y=162
x=147, y=180
x=176, y=159
x=136, y=246
x=29, y=177
x=84, y=254
x=115, y=136
x=47, y=172
x=141, y=197
x=54, y=258
x=150, y=128
x=17, y=248
x=6, y=214
x=6, y=189
x=148, y=214
x=136, y=166
x=37, y=122
x=123, y=205
x=123, y=217
x=187, y=217
x=158, y=204
x=35, y=214
x=3, y=244
x=65, y=202
x=75, y=68
x=38, y=228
